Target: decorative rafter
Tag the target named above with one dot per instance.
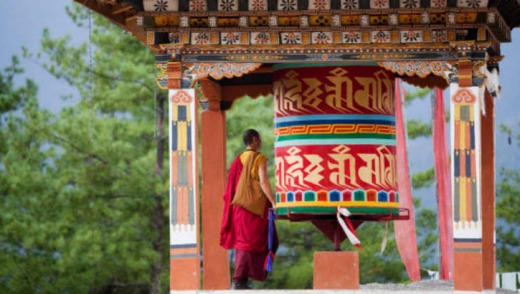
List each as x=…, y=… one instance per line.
x=421, y=69
x=219, y=71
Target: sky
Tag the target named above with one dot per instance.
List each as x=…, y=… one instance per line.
x=22, y=24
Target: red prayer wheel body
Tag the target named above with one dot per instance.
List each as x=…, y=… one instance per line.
x=334, y=140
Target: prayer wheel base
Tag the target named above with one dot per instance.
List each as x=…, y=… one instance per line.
x=357, y=213
x=336, y=270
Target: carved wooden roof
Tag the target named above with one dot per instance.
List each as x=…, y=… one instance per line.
x=314, y=30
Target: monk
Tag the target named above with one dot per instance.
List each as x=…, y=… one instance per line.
x=242, y=230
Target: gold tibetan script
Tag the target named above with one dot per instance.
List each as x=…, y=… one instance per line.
x=341, y=169
x=338, y=91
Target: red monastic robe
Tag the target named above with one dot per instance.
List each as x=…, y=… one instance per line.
x=244, y=231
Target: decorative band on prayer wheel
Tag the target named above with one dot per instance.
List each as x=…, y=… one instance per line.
x=334, y=140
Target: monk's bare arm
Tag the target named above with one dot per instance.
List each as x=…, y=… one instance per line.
x=264, y=183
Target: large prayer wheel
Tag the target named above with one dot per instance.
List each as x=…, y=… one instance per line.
x=334, y=140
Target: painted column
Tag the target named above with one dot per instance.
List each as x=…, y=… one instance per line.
x=184, y=206
x=467, y=213
x=213, y=136
x=473, y=170
x=473, y=175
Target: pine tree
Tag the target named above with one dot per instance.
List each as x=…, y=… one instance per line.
x=85, y=189
x=507, y=208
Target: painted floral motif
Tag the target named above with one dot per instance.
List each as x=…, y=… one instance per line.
x=411, y=36
x=351, y=37
x=409, y=3
x=261, y=38
x=227, y=5
x=230, y=38
x=470, y=3
x=319, y=4
x=199, y=22
x=220, y=70
x=321, y=38
x=439, y=36
x=438, y=3
x=320, y=21
x=287, y=5
x=200, y=38
x=258, y=5
x=198, y=5
x=291, y=38
x=379, y=3
x=419, y=68
x=260, y=21
x=381, y=37
x=379, y=20
x=438, y=18
x=349, y=4
x=161, y=5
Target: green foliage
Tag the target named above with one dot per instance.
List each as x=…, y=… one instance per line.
x=377, y=266
x=247, y=113
x=507, y=207
x=81, y=188
x=25, y=175
x=11, y=97
x=427, y=240
x=423, y=179
x=416, y=94
x=416, y=129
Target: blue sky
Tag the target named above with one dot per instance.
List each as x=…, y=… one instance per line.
x=22, y=23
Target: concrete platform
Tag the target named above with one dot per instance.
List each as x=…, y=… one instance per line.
x=361, y=291
x=424, y=287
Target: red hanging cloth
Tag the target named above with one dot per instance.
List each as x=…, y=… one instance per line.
x=442, y=174
x=405, y=229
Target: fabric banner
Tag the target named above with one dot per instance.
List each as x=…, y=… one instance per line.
x=442, y=174
x=405, y=230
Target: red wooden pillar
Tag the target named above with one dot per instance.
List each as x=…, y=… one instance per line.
x=488, y=193
x=213, y=138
